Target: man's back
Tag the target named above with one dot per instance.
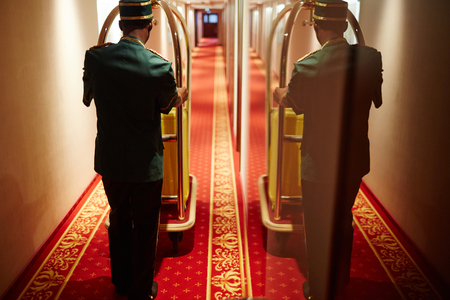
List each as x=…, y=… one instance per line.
x=322, y=84
x=132, y=86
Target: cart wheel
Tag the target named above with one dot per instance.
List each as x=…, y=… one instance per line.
x=176, y=238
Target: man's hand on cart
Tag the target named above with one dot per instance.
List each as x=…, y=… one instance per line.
x=279, y=96
x=182, y=96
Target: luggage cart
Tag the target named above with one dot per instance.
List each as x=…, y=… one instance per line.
x=179, y=187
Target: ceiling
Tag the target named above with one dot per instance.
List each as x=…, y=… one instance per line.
x=217, y=4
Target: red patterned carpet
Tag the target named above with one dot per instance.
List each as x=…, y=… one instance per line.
x=226, y=254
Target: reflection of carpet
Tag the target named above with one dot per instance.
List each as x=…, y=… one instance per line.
x=392, y=262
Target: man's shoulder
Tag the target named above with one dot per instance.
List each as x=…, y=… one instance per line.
x=157, y=54
x=367, y=56
x=365, y=49
x=100, y=46
x=308, y=64
x=96, y=54
x=310, y=55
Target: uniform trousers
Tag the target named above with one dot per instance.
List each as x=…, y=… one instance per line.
x=133, y=234
x=317, y=195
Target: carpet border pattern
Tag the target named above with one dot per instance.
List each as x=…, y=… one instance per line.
x=54, y=273
x=407, y=277
x=226, y=271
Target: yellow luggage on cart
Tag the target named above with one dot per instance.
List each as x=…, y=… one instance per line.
x=170, y=182
x=290, y=184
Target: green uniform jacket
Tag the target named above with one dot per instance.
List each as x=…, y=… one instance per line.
x=323, y=83
x=131, y=86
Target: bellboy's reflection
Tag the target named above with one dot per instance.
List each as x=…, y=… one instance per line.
x=334, y=88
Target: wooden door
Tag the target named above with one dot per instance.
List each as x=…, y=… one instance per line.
x=210, y=25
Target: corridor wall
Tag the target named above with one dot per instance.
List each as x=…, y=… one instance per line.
x=409, y=133
x=46, y=133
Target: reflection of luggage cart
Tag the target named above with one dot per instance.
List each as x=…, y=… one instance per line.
x=281, y=187
x=179, y=188
x=290, y=185
x=280, y=191
x=287, y=220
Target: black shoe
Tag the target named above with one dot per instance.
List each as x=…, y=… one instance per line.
x=154, y=290
x=143, y=296
x=306, y=291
